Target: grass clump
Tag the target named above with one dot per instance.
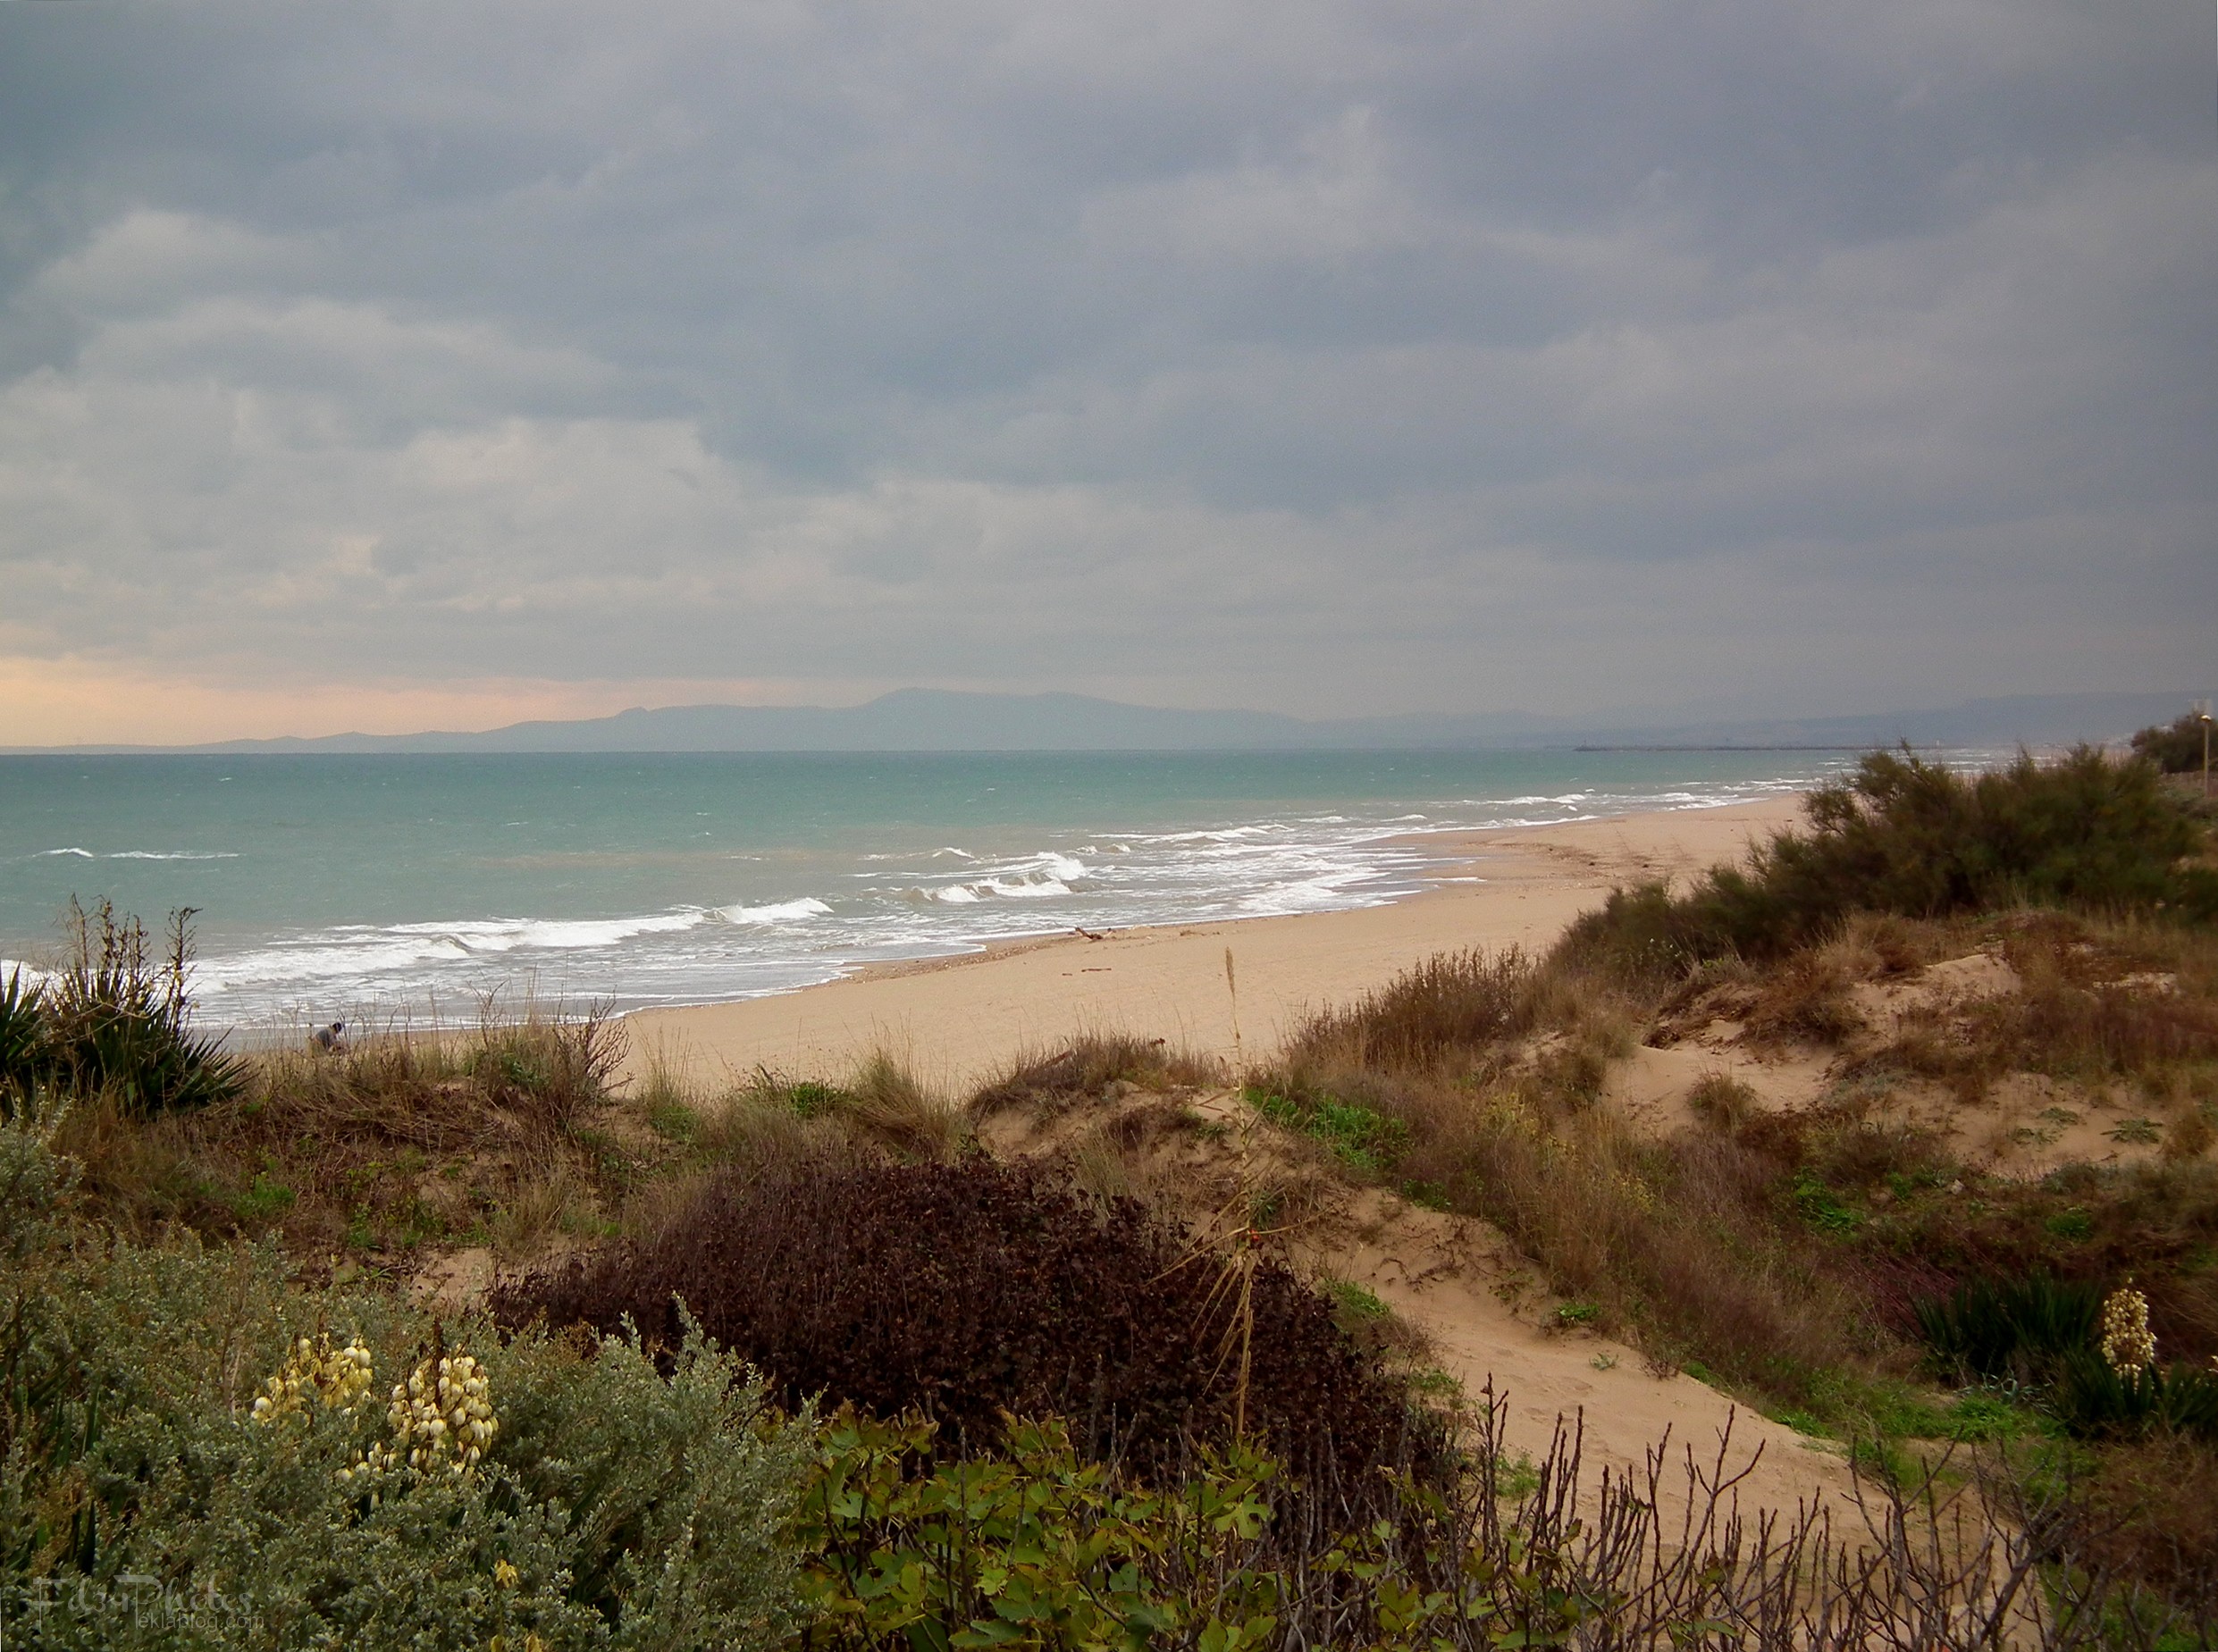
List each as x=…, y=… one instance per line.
x=881, y=1103
x=1445, y=1010
x=1087, y=1068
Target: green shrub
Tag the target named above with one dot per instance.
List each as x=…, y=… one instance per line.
x=143, y=1503
x=1913, y=838
x=1033, y=1546
x=2176, y=747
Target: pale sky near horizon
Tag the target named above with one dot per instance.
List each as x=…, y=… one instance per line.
x=399, y=365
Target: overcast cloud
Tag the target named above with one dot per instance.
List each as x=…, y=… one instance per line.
x=1570, y=355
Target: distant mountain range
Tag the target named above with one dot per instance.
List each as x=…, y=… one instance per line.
x=921, y=719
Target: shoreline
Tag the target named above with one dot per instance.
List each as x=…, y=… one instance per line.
x=958, y=1018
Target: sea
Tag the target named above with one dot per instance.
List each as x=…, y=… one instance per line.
x=420, y=889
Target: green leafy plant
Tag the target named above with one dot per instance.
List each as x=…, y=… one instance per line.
x=1821, y=1208
x=1031, y=1546
x=1361, y=1137
x=1355, y=1301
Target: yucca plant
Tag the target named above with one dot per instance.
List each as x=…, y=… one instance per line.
x=22, y=1036
x=2006, y=1328
x=2094, y=1398
x=115, y=1020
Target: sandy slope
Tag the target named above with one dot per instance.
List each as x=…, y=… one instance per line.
x=1483, y=1315
x=957, y=1020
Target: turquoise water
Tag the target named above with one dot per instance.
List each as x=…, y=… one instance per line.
x=362, y=886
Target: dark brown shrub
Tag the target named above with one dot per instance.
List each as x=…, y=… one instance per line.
x=972, y=1290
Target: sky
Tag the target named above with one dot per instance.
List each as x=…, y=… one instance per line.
x=386, y=366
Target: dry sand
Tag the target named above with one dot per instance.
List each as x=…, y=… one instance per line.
x=956, y=1022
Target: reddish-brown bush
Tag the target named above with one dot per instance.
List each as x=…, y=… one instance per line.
x=972, y=1289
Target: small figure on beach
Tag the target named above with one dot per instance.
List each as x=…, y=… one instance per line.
x=331, y=1040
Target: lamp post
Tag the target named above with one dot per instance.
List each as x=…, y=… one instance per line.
x=2203, y=711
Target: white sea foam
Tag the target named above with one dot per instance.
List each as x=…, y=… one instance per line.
x=778, y=912
x=506, y=935
x=139, y=854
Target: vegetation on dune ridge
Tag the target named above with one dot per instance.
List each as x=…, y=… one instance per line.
x=1904, y=836
x=1819, y=1260
x=2178, y=747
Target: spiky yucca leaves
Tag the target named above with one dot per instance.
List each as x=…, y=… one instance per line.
x=2001, y=1327
x=22, y=1032
x=116, y=1020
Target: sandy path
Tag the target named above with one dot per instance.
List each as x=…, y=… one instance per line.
x=955, y=1021
x=1465, y=1286
x=1485, y=1314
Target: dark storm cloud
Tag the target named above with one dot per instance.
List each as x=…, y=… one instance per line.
x=1569, y=352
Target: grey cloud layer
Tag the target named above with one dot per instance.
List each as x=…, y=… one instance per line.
x=1568, y=353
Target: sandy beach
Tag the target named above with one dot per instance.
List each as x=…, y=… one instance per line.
x=956, y=1022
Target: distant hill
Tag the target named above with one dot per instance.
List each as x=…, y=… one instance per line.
x=941, y=720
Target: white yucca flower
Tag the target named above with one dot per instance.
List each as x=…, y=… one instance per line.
x=335, y=1378
x=2128, y=1348
x=443, y=1416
